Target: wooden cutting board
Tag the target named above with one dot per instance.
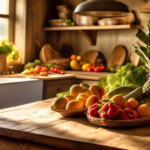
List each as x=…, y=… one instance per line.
x=91, y=56
x=134, y=59
x=117, y=57
x=47, y=54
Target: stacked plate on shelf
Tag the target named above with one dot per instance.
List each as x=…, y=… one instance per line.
x=57, y=22
x=63, y=12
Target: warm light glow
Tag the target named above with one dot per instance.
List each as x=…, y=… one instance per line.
x=4, y=9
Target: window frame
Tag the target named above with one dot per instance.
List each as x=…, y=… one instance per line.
x=11, y=20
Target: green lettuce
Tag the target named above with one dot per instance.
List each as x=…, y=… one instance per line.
x=128, y=75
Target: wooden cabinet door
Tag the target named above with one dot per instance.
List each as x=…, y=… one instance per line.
x=51, y=88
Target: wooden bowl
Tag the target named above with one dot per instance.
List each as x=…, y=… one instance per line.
x=71, y=112
x=119, y=123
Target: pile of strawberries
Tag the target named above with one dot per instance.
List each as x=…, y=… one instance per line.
x=111, y=111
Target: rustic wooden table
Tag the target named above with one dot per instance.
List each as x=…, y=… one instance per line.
x=35, y=126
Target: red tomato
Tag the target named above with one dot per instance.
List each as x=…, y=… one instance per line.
x=90, y=69
x=44, y=69
x=102, y=68
x=96, y=69
x=56, y=69
x=52, y=69
x=93, y=66
x=62, y=72
x=38, y=69
x=99, y=69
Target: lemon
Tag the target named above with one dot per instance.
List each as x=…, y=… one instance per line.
x=74, y=65
x=79, y=58
x=86, y=66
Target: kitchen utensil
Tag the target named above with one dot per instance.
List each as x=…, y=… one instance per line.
x=117, y=57
x=56, y=22
x=64, y=12
x=71, y=112
x=112, y=21
x=108, y=21
x=102, y=22
x=119, y=123
x=102, y=8
x=129, y=19
x=84, y=20
x=134, y=59
x=47, y=53
x=63, y=15
x=92, y=55
x=63, y=8
x=63, y=62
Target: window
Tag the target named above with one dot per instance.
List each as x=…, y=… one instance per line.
x=7, y=20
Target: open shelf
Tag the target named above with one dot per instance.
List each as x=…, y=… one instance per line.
x=110, y=27
x=90, y=32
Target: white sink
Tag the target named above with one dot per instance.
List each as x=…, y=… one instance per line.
x=19, y=91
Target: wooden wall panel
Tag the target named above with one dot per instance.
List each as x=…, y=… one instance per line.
x=68, y=42
x=20, y=26
x=38, y=13
x=107, y=39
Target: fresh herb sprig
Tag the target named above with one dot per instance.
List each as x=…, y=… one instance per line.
x=6, y=47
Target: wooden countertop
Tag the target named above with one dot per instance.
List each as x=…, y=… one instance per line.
x=35, y=122
x=49, y=77
x=69, y=74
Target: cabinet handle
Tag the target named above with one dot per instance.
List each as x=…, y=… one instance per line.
x=58, y=89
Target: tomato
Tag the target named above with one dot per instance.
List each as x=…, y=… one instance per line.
x=62, y=72
x=52, y=69
x=56, y=69
x=44, y=69
x=93, y=67
x=102, y=68
x=99, y=69
x=38, y=69
x=96, y=69
x=90, y=69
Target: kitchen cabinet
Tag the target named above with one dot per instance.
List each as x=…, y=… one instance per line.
x=19, y=91
x=51, y=88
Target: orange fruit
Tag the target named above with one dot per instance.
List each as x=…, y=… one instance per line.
x=73, y=57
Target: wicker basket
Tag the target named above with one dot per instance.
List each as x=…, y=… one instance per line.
x=119, y=123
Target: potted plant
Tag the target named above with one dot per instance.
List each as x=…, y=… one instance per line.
x=5, y=49
x=144, y=51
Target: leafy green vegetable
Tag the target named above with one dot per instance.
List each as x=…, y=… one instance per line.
x=6, y=47
x=37, y=61
x=32, y=65
x=49, y=65
x=129, y=75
